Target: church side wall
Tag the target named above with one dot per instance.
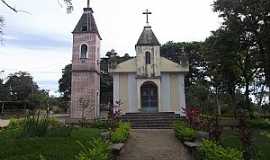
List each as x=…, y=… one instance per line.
x=132, y=93
x=123, y=92
x=165, y=92
x=174, y=92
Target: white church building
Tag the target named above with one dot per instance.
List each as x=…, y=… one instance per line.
x=149, y=82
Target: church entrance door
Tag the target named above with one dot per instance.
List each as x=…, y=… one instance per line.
x=149, y=97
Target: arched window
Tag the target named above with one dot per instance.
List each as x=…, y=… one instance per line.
x=147, y=58
x=83, y=51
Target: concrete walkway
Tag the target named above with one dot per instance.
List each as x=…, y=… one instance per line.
x=153, y=144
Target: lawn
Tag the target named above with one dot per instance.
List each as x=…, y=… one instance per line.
x=261, y=139
x=52, y=148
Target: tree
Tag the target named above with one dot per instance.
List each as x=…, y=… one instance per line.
x=65, y=82
x=21, y=86
x=252, y=19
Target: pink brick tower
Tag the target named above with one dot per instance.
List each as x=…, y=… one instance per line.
x=85, y=87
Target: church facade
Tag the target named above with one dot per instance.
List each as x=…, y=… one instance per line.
x=149, y=82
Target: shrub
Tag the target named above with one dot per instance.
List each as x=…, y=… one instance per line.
x=121, y=133
x=260, y=123
x=209, y=150
x=184, y=133
x=94, y=150
x=53, y=122
x=15, y=123
x=35, y=125
x=100, y=124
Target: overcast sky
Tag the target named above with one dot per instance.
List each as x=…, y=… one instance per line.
x=41, y=42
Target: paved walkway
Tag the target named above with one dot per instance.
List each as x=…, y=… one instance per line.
x=153, y=144
x=4, y=123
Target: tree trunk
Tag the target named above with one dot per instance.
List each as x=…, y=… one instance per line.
x=217, y=102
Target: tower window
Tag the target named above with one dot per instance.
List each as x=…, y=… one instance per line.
x=83, y=51
x=84, y=28
x=147, y=58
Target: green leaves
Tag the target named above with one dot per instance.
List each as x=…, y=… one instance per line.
x=209, y=150
x=184, y=133
x=121, y=133
x=94, y=150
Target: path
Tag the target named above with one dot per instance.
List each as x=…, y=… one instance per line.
x=153, y=144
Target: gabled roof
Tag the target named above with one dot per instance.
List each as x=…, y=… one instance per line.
x=148, y=38
x=166, y=66
x=87, y=20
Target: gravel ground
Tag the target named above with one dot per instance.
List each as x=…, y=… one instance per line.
x=153, y=144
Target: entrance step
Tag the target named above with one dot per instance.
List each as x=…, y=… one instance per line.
x=160, y=120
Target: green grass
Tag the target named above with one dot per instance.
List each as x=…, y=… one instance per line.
x=52, y=148
x=260, y=137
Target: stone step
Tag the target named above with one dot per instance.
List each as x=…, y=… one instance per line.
x=151, y=126
x=162, y=120
x=157, y=113
x=148, y=119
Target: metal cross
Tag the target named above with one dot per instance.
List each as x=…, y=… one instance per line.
x=147, y=12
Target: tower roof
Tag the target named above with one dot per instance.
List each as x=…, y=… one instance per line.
x=87, y=23
x=148, y=38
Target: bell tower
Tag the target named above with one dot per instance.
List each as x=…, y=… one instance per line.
x=148, y=52
x=85, y=85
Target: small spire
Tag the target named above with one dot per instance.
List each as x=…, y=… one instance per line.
x=147, y=12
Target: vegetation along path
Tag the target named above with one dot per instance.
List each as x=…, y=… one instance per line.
x=153, y=144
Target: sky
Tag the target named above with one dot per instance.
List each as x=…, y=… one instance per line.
x=41, y=42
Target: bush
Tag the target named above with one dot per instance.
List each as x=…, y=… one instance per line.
x=35, y=125
x=100, y=124
x=94, y=150
x=209, y=150
x=184, y=133
x=53, y=122
x=15, y=123
x=260, y=123
x=121, y=133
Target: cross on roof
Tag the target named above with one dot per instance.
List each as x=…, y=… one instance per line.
x=147, y=12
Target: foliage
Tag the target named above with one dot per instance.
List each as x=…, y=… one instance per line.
x=230, y=138
x=59, y=132
x=260, y=123
x=35, y=125
x=15, y=123
x=21, y=85
x=115, y=114
x=184, y=133
x=214, y=128
x=14, y=147
x=101, y=124
x=65, y=82
x=121, y=133
x=192, y=116
x=209, y=150
x=94, y=150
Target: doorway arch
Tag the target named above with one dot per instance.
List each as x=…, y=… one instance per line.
x=149, y=97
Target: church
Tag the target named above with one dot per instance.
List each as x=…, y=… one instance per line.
x=147, y=83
